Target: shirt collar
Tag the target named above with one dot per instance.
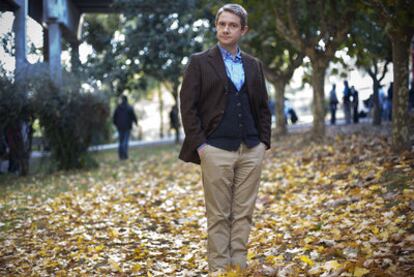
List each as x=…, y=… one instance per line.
x=228, y=56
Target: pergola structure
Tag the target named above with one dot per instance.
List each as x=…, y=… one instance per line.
x=59, y=18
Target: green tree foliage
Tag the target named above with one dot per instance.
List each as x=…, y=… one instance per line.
x=70, y=118
x=15, y=110
x=106, y=65
x=159, y=36
x=14, y=103
x=147, y=45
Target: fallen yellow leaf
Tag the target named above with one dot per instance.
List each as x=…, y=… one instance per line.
x=136, y=268
x=359, y=271
x=114, y=265
x=375, y=230
x=332, y=265
x=306, y=260
x=113, y=233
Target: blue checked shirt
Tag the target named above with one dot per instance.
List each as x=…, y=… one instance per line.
x=234, y=67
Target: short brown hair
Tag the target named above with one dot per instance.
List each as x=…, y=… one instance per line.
x=234, y=9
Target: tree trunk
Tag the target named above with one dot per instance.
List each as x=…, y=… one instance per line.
x=318, y=104
x=161, y=111
x=376, y=108
x=74, y=59
x=400, y=57
x=176, y=98
x=281, y=120
x=412, y=58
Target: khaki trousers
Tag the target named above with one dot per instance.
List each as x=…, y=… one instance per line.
x=231, y=181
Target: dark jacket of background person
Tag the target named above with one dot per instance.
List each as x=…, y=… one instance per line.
x=333, y=103
x=411, y=97
x=174, y=120
x=124, y=116
x=347, y=94
x=347, y=102
x=202, y=108
x=355, y=103
x=4, y=149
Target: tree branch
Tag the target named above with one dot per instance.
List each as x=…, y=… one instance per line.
x=371, y=73
x=294, y=27
x=291, y=33
x=283, y=30
x=387, y=61
x=270, y=74
x=342, y=28
x=374, y=62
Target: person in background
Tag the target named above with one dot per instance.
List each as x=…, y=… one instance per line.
x=14, y=142
x=383, y=106
x=123, y=118
x=411, y=97
x=226, y=119
x=175, y=123
x=4, y=149
x=290, y=112
x=347, y=102
x=333, y=104
x=355, y=103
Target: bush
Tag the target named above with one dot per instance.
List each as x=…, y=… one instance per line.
x=15, y=124
x=70, y=118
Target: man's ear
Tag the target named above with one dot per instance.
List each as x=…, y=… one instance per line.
x=245, y=30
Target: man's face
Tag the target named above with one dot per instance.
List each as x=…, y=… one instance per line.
x=229, y=30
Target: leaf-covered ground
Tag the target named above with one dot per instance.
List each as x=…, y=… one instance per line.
x=344, y=207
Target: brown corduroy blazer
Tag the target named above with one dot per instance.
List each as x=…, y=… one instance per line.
x=203, y=97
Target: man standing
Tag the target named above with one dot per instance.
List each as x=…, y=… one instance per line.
x=227, y=121
x=355, y=104
x=333, y=103
x=347, y=102
x=175, y=123
x=123, y=118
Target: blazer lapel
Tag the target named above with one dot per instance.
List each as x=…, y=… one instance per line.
x=216, y=61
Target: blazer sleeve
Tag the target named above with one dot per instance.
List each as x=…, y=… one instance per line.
x=189, y=101
x=265, y=116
